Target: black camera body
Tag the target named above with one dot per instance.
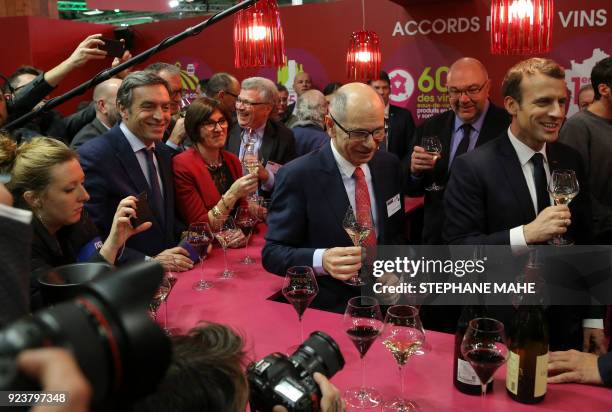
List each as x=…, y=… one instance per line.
x=284, y=380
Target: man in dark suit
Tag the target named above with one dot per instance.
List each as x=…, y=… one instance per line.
x=398, y=121
x=497, y=194
x=274, y=141
x=130, y=159
x=314, y=192
x=468, y=86
x=105, y=99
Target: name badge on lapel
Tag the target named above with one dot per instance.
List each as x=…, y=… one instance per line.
x=393, y=205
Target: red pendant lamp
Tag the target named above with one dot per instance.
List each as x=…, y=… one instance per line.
x=363, y=56
x=258, y=36
x=521, y=26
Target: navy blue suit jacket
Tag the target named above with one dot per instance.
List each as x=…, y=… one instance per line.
x=112, y=173
x=308, y=205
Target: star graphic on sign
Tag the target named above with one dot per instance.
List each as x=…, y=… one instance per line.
x=398, y=85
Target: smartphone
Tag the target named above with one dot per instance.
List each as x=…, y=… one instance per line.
x=143, y=210
x=114, y=48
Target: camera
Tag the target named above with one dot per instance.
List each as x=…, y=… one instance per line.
x=120, y=350
x=284, y=380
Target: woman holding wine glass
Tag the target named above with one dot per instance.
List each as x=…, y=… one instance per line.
x=363, y=323
x=208, y=179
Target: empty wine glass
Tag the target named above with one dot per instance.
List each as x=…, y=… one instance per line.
x=563, y=187
x=363, y=323
x=171, y=281
x=225, y=232
x=246, y=221
x=250, y=162
x=357, y=230
x=484, y=346
x=199, y=237
x=433, y=146
x=403, y=335
x=300, y=288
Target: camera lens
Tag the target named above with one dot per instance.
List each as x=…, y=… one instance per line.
x=319, y=353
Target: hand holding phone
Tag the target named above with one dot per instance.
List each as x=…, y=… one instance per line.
x=113, y=48
x=143, y=210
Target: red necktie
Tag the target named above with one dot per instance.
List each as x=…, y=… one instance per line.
x=363, y=207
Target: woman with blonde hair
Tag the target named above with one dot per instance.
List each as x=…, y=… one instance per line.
x=46, y=178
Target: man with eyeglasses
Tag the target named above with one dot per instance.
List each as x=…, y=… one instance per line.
x=273, y=141
x=314, y=192
x=471, y=121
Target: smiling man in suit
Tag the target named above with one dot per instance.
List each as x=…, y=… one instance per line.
x=314, y=192
x=274, y=141
x=471, y=121
x=497, y=194
x=130, y=159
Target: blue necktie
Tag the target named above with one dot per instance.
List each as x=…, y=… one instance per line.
x=157, y=200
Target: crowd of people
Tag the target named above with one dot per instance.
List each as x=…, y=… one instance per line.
x=79, y=179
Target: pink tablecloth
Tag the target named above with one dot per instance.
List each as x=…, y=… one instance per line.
x=269, y=326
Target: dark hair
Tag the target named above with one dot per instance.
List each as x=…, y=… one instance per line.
x=219, y=82
x=511, y=85
x=134, y=80
x=22, y=70
x=205, y=374
x=331, y=88
x=281, y=87
x=158, y=67
x=383, y=75
x=601, y=74
x=198, y=112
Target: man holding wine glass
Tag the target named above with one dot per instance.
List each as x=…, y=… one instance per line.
x=498, y=195
x=313, y=193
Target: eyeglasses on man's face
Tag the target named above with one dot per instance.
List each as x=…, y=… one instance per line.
x=248, y=104
x=211, y=125
x=361, y=135
x=471, y=91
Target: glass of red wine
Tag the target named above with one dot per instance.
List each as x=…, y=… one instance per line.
x=199, y=237
x=484, y=345
x=300, y=288
x=246, y=221
x=403, y=335
x=363, y=323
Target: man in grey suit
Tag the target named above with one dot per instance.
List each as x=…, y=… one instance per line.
x=274, y=141
x=105, y=99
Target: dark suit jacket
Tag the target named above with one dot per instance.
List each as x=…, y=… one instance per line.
x=604, y=363
x=401, y=130
x=308, y=205
x=112, y=173
x=278, y=144
x=93, y=129
x=196, y=192
x=487, y=195
x=14, y=269
x=496, y=121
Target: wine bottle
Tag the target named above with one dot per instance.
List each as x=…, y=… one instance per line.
x=527, y=368
x=464, y=377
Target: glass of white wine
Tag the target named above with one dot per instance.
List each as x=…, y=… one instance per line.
x=250, y=162
x=433, y=146
x=563, y=187
x=358, y=232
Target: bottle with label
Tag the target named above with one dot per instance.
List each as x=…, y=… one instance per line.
x=464, y=377
x=527, y=368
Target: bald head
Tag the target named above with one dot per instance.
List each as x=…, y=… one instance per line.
x=105, y=98
x=356, y=107
x=468, y=88
x=311, y=106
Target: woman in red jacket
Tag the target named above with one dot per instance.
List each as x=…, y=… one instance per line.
x=208, y=180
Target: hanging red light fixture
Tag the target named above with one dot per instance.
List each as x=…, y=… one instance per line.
x=258, y=36
x=521, y=26
x=363, y=56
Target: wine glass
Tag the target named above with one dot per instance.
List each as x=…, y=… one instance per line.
x=170, y=281
x=363, y=323
x=199, y=237
x=225, y=232
x=250, y=162
x=246, y=221
x=358, y=230
x=404, y=336
x=433, y=146
x=563, y=187
x=484, y=346
x=300, y=288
